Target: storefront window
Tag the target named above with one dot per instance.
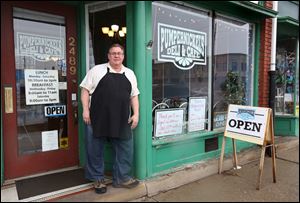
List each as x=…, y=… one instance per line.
x=285, y=76
x=180, y=69
x=233, y=66
x=184, y=74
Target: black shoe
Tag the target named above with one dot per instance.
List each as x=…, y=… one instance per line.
x=131, y=183
x=100, y=187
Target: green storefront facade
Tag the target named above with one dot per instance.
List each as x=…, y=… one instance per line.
x=287, y=50
x=230, y=33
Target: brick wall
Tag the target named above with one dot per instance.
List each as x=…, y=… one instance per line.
x=265, y=59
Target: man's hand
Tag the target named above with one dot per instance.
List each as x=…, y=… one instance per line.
x=85, y=99
x=135, y=107
x=86, y=117
x=134, y=121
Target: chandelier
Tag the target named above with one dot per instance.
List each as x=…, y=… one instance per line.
x=114, y=31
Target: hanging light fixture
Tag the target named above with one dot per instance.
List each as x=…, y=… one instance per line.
x=121, y=33
x=111, y=33
x=114, y=32
x=115, y=28
x=124, y=29
x=105, y=30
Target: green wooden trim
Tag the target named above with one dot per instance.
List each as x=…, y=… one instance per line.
x=80, y=75
x=286, y=116
x=287, y=27
x=179, y=138
x=139, y=62
x=241, y=9
x=189, y=151
x=296, y=93
x=148, y=88
x=259, y=9
x=289, y=20
x=256, y=64
x=286, y=126
x=129, y=35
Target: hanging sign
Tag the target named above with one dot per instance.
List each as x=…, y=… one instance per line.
x=59, y=110
x=197, y=111
x=183, y=47
x=41, y=86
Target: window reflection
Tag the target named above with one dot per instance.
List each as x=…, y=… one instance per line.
x=233, y=62
x=173, y=86
x=39, y=45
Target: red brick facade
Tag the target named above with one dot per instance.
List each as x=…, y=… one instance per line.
x=265, y=59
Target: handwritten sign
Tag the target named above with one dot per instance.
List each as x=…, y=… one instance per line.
x=168, y=122
x=197, y=109
x=247, y=123
x=41, y=86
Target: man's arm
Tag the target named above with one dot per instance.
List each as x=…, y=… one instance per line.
x=85, y=99
x=134, y=119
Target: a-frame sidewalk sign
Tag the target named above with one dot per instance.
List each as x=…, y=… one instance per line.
x=250, y=124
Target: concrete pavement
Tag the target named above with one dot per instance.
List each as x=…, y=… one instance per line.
x=240, y=185
x=200, y=181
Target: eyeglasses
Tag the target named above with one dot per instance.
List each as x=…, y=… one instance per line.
x=116, y=53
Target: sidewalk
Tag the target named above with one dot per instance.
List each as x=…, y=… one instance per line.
x=203, y=179
x=199, y=171
x=240, y=185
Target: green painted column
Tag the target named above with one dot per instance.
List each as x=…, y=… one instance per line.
x=256, y=65
x=81, y=74
x=139, y=67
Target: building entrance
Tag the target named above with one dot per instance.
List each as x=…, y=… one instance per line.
x=38, y=76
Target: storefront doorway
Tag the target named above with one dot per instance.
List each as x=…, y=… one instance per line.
x=39, y=81
x=106, y=25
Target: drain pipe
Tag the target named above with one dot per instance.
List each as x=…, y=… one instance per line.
x=272, y=72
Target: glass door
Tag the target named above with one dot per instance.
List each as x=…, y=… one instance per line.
x=45, y=90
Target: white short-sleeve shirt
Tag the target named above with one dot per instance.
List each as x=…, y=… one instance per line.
x=95, y=74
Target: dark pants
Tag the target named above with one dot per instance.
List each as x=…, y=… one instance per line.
x=122, y=157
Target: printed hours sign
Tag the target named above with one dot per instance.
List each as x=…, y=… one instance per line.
x=41, y=86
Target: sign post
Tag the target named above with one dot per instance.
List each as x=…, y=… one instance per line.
x=250, y=124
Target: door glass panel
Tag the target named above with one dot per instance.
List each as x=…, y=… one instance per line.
x=41, y=81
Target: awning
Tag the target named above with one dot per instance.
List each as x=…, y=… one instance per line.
x=244, y=9
x=287, y=27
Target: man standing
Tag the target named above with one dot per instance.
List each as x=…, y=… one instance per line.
x=113, y=90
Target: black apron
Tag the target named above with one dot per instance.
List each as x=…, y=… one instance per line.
x=110, y=105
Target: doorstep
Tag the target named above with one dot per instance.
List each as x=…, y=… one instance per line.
x=112, y=195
